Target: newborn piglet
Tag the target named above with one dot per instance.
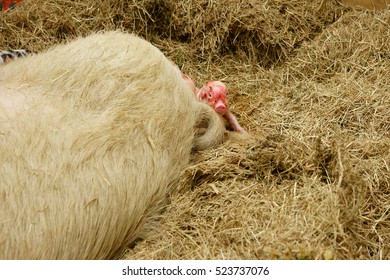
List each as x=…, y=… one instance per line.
x=215, y=94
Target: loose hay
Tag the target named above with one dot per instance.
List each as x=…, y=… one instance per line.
x=309, y=79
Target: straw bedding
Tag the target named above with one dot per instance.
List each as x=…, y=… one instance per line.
x=308, y=79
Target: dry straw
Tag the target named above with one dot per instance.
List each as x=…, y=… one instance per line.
x=308, y=79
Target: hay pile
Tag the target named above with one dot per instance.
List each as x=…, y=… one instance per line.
x=308, y=79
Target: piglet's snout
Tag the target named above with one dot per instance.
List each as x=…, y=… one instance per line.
x=220, y=107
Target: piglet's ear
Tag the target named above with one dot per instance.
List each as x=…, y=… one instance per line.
x=203, y=94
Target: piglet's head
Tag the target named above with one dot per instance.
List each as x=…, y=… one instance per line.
x=214, y=93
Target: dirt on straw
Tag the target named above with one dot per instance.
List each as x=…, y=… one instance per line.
x=308, y=79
